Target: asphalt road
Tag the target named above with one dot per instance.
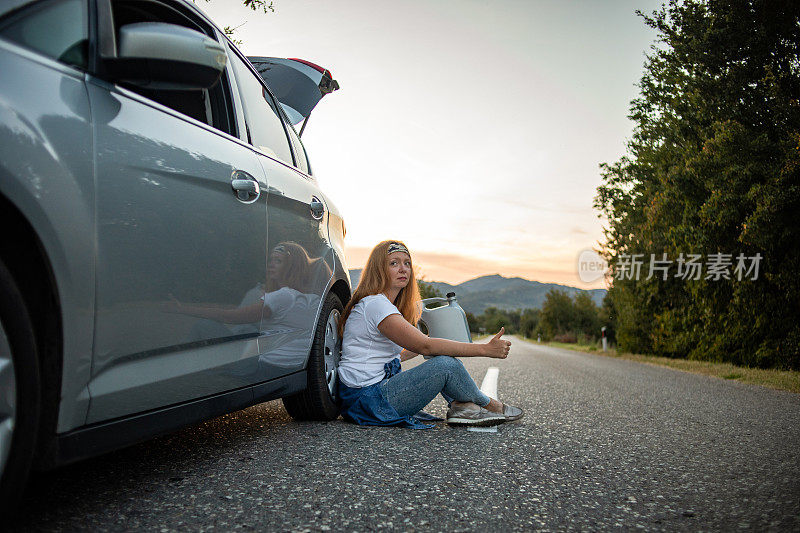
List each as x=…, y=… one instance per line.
x=605, y=443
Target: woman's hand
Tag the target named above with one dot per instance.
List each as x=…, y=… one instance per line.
x=497, y=348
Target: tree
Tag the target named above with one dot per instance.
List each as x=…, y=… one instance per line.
x=558, y=314
x=494, y=319
x=427, y=290
x=587, y=320
x=474, y=323
x=713, y=167
x=607, y=315
x=529, y=322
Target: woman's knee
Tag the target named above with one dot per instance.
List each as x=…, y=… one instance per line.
x=445, y=362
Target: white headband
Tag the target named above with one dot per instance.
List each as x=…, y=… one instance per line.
x=396, y=247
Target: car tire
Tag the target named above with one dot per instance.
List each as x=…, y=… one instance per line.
x=19, y=393
x=318, y=401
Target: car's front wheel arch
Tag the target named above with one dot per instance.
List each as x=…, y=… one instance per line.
x=22, y=252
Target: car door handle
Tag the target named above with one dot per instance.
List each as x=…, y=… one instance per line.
x=245, y=187
x=317, y=208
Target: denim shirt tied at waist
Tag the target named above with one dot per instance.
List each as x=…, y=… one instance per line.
x=369, y=406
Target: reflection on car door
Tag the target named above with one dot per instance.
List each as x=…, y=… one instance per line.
x=177, y=248
x=300, y=258
x=299, y=268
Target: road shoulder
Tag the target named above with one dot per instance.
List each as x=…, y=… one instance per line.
x=786, y=380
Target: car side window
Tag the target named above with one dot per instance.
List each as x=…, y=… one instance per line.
x=211, y=106
x=264, y=124
x=55, y=28
x=299, y=151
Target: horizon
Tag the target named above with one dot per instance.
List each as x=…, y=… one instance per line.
x=442, y=266
x=495, y=274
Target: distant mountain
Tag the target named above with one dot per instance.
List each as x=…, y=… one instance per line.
x=477, y=294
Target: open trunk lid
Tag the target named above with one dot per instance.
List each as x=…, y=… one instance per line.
x=297, y=84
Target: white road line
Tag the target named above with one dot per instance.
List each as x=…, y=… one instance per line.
x=489, y=388
x=490, y=429
x=489, y=384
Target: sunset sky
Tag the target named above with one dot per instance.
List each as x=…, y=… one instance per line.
x=471, y=130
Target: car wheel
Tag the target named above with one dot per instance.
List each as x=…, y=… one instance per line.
x=19, y=393
x=318, y=401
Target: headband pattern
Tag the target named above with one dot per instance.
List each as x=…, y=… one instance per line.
x=396, y=247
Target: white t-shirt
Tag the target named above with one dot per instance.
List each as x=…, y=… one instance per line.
x=286, y=329
x=364, y=348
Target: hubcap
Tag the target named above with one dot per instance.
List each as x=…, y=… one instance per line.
x=8, y=399
x=332, y=350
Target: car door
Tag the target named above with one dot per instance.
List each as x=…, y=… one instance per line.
x=300, y=262
x=181, y=241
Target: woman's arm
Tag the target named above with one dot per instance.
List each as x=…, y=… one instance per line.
x=405, y=355
x=399, y=331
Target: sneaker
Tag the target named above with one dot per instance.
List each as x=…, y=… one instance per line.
x=512, y=413
x=473, y=416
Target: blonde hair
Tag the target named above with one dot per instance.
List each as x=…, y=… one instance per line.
x=375, y=280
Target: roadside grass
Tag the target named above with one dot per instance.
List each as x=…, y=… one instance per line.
x=787, y=380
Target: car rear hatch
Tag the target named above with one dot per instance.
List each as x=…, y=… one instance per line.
x=297, y=84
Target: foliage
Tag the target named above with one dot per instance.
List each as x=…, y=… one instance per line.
x=558, y=314
x=608, y=318
x=560, y=317
x=565, y=318
x=229, y=31
x=493, y=319
x=259, y=5
x=427, y=290
x=713, y=167
x=473, y=323
x=265, y=6
x=529, y=322
x=568, y=338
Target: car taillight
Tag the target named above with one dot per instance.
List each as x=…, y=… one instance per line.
x=312, y=65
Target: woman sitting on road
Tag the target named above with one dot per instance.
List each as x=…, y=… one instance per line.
x=377, y=331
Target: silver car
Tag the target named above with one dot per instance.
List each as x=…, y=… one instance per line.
x=166, y=253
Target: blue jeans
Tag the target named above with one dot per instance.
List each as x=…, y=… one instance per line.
x=411, y=390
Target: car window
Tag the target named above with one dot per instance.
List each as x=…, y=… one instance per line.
x=56, y=28
x=264, y=124
x=299, y=152
x=212, y=106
